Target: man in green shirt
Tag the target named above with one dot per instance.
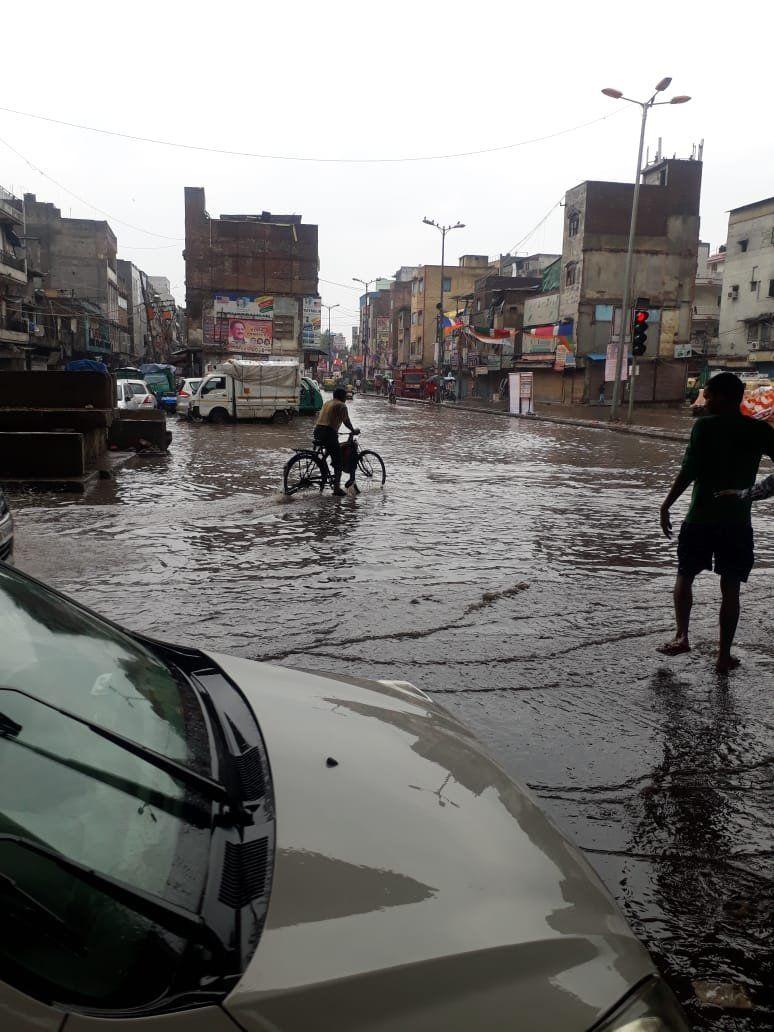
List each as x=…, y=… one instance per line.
x=724, y=453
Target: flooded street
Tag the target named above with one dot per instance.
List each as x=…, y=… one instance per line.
x=518, y=574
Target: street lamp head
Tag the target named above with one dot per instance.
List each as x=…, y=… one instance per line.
x=663, y=84
x=679, y=100
x=460, y=225
x=615, y=94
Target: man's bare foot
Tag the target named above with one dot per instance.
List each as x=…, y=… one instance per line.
x=675, y=647
x=726, y=664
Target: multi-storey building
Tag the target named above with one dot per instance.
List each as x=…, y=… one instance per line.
x=14, y=323
x=706, y=303
x=400, y=317
x=251, y=284
x=458, y=281
x=585, y=312
x=76, y=258
x=747, y=300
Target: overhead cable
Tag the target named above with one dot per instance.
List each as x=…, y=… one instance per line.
x=305, y=157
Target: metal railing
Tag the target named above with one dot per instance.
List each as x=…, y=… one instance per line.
x=6, y=258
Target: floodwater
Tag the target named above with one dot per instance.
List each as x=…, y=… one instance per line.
x=517, y=573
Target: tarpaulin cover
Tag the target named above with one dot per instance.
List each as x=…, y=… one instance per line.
x=155, y=367
x=279, y=375
x=85, y=365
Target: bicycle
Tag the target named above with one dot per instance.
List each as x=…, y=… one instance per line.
x=310, y=470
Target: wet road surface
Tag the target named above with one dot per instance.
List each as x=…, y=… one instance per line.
x=517, y=573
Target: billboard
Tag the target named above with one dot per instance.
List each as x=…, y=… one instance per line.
x=312, y=322
x=248, y=336
x=255, y=306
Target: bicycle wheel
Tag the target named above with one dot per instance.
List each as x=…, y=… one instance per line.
x=372, y=469
x=304, y=472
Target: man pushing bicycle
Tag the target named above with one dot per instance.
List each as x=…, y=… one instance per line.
x=332, y=415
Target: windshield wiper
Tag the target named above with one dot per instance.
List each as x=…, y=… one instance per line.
x=58, y=927
x=174, y=918
x=209, y=786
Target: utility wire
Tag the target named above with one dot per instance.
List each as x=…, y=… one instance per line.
x=88, y=204
x=309, y=158
x=537, y=227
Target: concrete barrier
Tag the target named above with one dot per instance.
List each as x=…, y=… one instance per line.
x=133, y=427
x=56, y=389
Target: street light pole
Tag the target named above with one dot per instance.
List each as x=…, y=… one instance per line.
x=443, y=230
x=646, y=105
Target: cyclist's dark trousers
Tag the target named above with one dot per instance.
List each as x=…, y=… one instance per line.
x=328, y=438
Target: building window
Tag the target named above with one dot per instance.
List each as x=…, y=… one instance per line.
x=421, y=284
x=752, y=334
x=570, y=274
x=771, y=288
x=446, y=284
x=413, y=318
x=743, y=245
x=603, y=313
x=573, y=224
x=765, y=333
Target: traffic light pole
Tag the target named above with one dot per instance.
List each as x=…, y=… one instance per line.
x=625, y=320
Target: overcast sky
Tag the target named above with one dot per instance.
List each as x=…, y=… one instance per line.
x=348, y=80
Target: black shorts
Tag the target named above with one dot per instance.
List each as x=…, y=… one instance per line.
x=730, y=545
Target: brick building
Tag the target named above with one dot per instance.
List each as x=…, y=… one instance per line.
x=251, y=284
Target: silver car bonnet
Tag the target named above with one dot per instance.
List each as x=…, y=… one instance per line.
x=415, y=886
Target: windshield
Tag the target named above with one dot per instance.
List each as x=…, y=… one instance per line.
x=139, y=388
x=66, y=788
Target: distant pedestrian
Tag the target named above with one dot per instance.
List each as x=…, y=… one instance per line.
x=723, y=455
x=601, y=398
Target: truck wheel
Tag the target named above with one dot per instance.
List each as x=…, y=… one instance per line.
x=219, y=416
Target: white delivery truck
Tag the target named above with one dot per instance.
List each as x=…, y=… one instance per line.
x=248, y=390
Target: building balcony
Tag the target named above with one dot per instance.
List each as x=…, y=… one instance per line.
x=13, y=268
x=11, y=208
x=12, y=333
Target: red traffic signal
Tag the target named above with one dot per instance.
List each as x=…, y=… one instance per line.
x=640, y=331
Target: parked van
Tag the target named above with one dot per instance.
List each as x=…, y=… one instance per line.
x=248, y=390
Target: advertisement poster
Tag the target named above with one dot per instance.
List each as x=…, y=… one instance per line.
x=249, y=336
x=243, y=305
x=311, y=330
x=610, y=361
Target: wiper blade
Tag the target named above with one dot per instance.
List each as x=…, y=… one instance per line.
x=174, y=918
x=209, y=786
x=60, y=928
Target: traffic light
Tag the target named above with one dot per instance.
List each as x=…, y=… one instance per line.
x=640, y=331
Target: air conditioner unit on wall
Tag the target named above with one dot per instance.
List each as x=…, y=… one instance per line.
x=753, y=345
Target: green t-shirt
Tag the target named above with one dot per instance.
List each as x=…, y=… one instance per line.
x=724, y=453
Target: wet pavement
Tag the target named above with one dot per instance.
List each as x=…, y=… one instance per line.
x=517, y=573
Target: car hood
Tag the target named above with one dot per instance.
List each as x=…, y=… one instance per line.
x=415, y=885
